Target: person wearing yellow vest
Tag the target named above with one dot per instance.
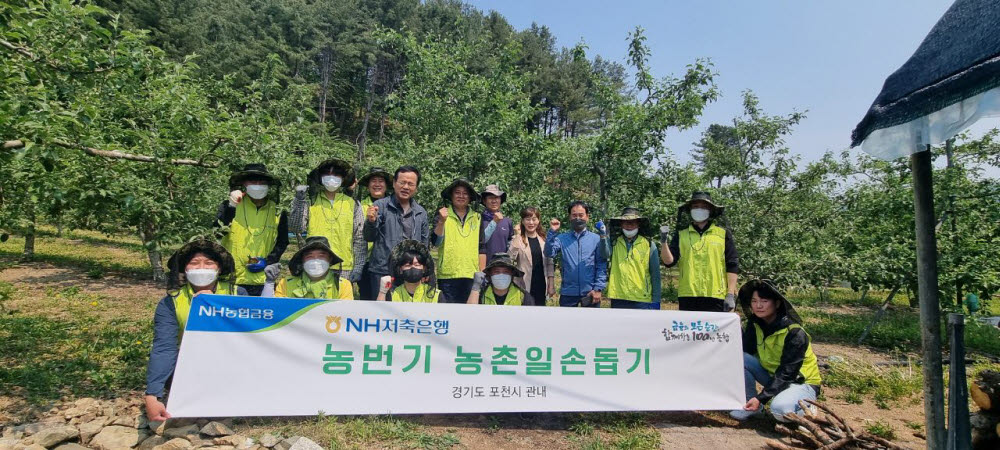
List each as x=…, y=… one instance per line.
x=777, y=353
x=634, y=282
x=258, y=230
x=312, y=276
x=326, y=208
x=376, y=182
x=705, y=255
x=412, y=271
x=500, y=284
x=461, y=242
x=200, y=266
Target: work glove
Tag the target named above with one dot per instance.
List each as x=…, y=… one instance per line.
x=257, y=266
x=271, y=272
x=234, y=197
x=587, y=300
x=664, y=234
x=479, y=281
x=601, y=228
x=730, y=302
x=300, y=191
x=384, y=284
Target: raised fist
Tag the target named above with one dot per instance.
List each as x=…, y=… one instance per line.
x=234, y=197
x=497, y=217
x=442, y=214
x=554, y=224
x=372, y=213
x=384, y=284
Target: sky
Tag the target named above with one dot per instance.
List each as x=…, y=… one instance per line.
x=828, y=58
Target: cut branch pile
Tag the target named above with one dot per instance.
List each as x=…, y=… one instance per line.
x=985, y=393
x=825, y=430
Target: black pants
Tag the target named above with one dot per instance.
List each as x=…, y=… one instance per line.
x=455, y=290
x=701, y=304
x=368, y=285
x=253, y=290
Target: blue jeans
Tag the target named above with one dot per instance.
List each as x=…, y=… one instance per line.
x=629, y=304
x=573, y=300
x=455, y=290
x=787, y=401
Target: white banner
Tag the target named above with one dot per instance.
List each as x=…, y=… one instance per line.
x=250, y=356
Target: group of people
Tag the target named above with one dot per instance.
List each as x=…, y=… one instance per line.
x=382, y=244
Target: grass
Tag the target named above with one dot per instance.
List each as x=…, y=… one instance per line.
x=601, y=431
x=91, y=258
x=360, y=432
x=881, y=429
x=885, y=386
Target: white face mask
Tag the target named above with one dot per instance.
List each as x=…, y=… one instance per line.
x=501, y=280
x=257, y=191
x=630, y=233
x=201, y=277
x=331, y=182
x=699, y=214
x=316, y=267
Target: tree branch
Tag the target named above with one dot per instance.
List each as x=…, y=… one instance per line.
x=114, y=154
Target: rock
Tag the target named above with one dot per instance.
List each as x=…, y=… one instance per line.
x=9, y=443
x=240, y=442
x=269, y=440
x=31, y=428
x=224, y=447
x=90, y=429
x=182, y=432
x=151, y=442
x=34, y=447
x=124, y=421
x=298, y=443
x=216, y=429
x=117, y=437
x=86, y=403
x=141, y=421
x=71, y=446
x=174, y=444
x=51, y=436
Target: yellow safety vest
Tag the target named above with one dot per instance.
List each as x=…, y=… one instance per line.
x=769, y=350
x=515, y=297
x=332, y=287
x=335, y=222
x=182, y=302
x=459, y=256
x=423, y=294
x=365, y=204
x=253, y=232
x=702, y=263
x=630, y=278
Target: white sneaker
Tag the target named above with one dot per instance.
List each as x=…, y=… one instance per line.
x=742, y=414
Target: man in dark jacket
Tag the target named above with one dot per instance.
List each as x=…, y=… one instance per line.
x=392, y=219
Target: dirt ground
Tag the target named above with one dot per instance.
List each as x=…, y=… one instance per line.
x=39, y=283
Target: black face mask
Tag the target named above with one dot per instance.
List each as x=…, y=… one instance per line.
x=413, y=275
x=578, y=224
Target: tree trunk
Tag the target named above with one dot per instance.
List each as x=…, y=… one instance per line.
x=363, y=136
x=147, y=233
x=324, y=84
x=29, y=238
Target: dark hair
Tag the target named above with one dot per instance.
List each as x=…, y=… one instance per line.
x=575, y=203
x=525, y=213
x=406, y=258
x=407, y=169
x=178, y=262
x=766, y=291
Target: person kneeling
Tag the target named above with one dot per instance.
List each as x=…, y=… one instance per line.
x=411, y=262
x=501, y=289
x=776, y=353
x=311, y=274
x=199, y=267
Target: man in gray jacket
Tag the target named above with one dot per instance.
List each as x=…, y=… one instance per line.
x=392, y=220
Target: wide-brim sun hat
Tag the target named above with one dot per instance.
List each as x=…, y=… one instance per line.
x=493, y=190
x=253, y=171
x=316, y=174
x=705, y=197
x=410, y=245
x=376, y=172
x=503, y=260
x=202, y=244
x=745, y=295
x=312, y=243
x=630, y=213
x=473, y=196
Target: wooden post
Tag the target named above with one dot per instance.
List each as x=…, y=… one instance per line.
x=927, y=290
x=959, y=432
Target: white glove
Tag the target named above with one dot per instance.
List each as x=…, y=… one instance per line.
x=300, y=190
x=664, y=234
x=478, y=281
x=271, y=272
x=234, y=197
x=730, y=302
x=384, y=284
